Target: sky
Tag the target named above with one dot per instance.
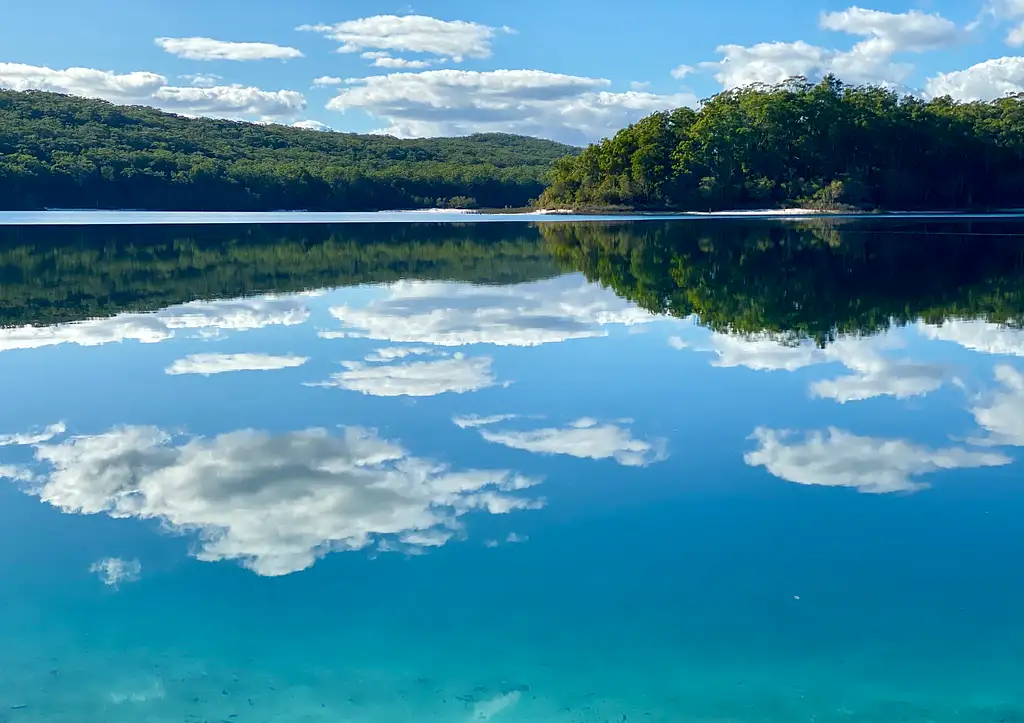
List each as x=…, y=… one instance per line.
x=568, y=71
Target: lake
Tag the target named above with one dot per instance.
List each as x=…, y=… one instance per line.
x=703, y=470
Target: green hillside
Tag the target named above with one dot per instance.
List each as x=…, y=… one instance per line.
x=59, y=151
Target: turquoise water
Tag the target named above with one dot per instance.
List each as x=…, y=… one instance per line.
x=433, y=498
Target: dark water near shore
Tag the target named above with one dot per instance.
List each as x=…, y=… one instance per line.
x=663, y=471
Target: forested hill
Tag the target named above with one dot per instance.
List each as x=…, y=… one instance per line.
x=824, y=145
x=59, y=151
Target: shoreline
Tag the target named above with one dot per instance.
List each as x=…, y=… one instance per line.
x=86, y=217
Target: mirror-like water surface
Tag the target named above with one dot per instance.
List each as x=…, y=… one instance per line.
x=691, y=471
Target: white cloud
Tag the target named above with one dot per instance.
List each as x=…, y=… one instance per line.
x=202, y=80
x=456, y=39
x=400, y=63
x=981, y=336
x=472, y=421
x=397, y=352
x=113, y=570
x=1015, y=37
x=681, y=71
x=325, y=80
x=312, y=125
x=451, y=314
x=585, y=439
x=988, y=80
x=639, y=85
x=1002, y=413
x=275, y=503
x=911, y=31
x=840, y=459
x=456, y=373
x=29, y=438
x=868, y=61
x=207, y=364
x=230, y=101
x=457, y=102
x=207, y=317
x=210, y=49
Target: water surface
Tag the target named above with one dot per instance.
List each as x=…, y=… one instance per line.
x=700, y=471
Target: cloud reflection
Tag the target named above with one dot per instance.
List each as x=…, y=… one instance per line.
x=836, y=458
x=584, y=438
x=275, y=503
x=205, y=317
x=528, y=314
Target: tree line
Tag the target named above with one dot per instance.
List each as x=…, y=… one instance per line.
x=60, y=151
x=825, y=145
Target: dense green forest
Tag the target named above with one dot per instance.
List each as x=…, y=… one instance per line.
x=59, y=151
x=817, y=279
x=54, y=274
x=824, y=145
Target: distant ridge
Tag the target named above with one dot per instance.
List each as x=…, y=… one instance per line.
x=61, y=151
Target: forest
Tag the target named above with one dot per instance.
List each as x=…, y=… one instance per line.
x=825, y=145
x=60, y=151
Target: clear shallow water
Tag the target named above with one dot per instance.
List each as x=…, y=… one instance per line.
x=506, y=492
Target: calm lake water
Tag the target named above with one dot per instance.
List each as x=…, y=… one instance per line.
x=652, y=472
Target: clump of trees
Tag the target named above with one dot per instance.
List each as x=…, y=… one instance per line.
x=827, y=145
x=59, y=151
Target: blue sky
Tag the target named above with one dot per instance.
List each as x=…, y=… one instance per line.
x=446, y=67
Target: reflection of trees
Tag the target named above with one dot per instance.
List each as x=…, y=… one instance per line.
x=814, y=279
x=50, y=275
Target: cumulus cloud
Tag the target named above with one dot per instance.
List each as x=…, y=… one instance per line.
x=205, y=317
x=397, y=352
x=202, y=80
x=874, y=375
x=868, y=61
x=911, y=31
x=226, y=101
x=325, y=80
x=400, y=63
x=114, y=571
x=1001, y=414
x=312, y=125
x=457, y=102
x=210, y=49
x=584, y=438
x=455, y=39
x=207, y=364
x=836, y=458
x=25, y=439
x=456, y=373
x=450, y=314
x=988, y=80
x=274, y=503
x=981, y=336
